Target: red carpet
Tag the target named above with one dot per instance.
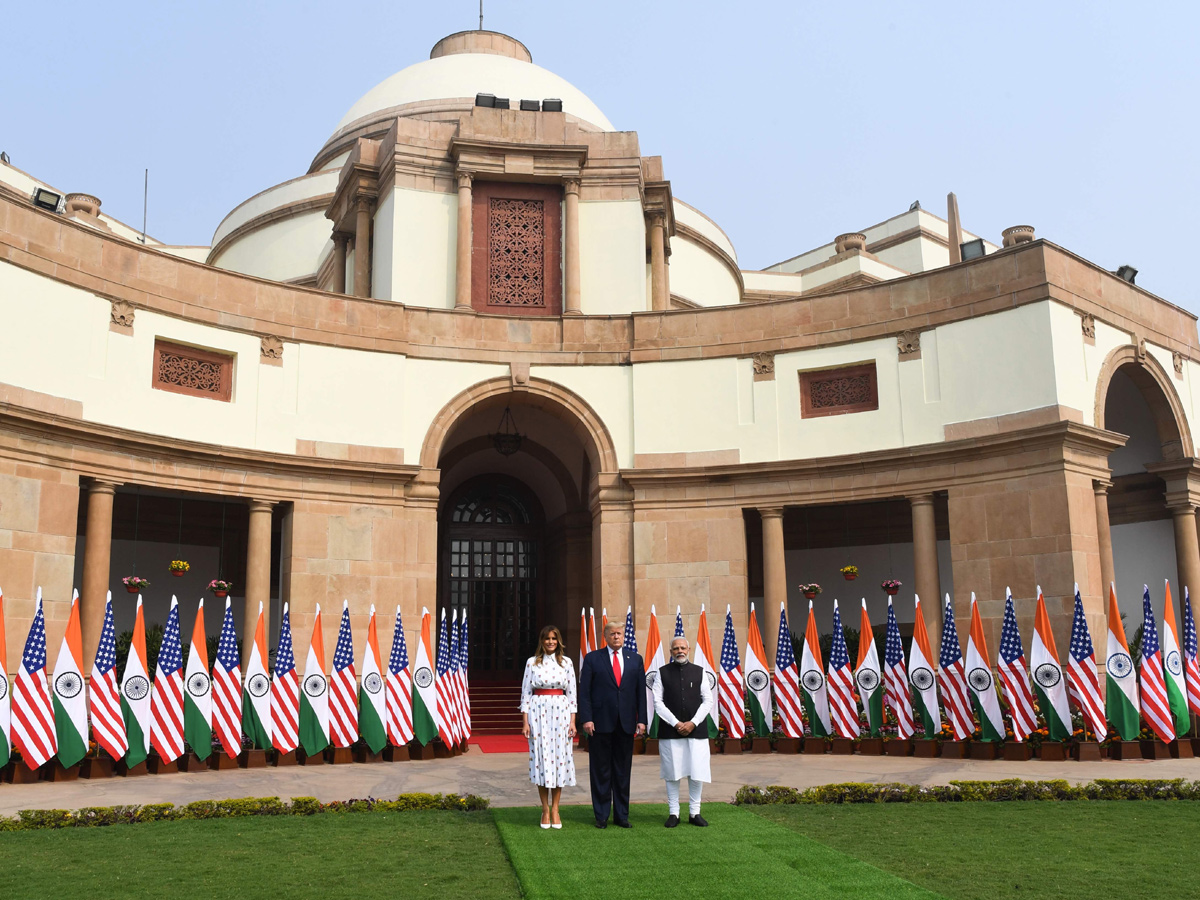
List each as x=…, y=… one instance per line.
x=500, y=743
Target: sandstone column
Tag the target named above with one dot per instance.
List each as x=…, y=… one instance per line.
x=774, y=578
x=927, y=584
x=660, y=290
x=462, y=277
x=1104, y=537
x=340, y=239
x=1187, y=549
x=362, y=249
x=258, y=571
x=573, y=304
x=97, y=550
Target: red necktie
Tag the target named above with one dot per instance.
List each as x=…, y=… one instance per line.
x=617, y=666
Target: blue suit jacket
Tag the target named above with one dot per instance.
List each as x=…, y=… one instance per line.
x=605, y=705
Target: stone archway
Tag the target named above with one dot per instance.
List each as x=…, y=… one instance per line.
x=1154, y=384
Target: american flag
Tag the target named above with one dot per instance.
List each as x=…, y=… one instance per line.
x=730, y=687
x=343, y=689
x=678, y=623
x=104, y=698
x=1191, y=668
x=32, y=715
x=399, y=688
x=952, y=675
x=1155, y=708
x=1081, y=674
x=630, y=633
x=166, y=697
x=787, y=680
x=1015, y=676
x=227, y=688
x=842, y=704
x=285, y=691
x=456, y=692
x=895, y=677
x=447, y=727
x=463, y=678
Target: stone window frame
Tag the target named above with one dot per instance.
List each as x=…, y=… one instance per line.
x=552, y=275
x=224, y=361
x=808, y=378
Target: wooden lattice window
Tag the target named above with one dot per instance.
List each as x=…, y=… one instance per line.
x=832, y=392
x=188, y=370
x=516, y=252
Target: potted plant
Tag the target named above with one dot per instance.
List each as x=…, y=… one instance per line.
x=135, y=585
x=220, y=588
x=891, y=587
x=849, y=572
x=178, y=567
x=810, y=590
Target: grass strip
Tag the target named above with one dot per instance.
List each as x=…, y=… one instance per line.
x=434, y=854
x=740, y=855
x=972, y=851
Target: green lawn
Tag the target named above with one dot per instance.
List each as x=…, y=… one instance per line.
x=437, y=854
x=986, y=850
x=740, y=856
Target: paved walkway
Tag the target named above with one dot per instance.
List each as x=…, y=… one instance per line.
x=503, y=778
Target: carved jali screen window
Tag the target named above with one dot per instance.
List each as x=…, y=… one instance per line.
x=515, y=260
x=832, y=392
x=187, y=370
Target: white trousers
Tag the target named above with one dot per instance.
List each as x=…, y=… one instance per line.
x=694, y=789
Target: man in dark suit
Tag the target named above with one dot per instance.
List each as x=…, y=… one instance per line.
x=612, y=705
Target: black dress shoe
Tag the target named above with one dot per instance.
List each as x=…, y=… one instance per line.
x=600, y=824
x=672, y=821
x=624, y=823
x=698, y=820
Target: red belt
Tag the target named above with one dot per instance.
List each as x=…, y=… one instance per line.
x=548, y=692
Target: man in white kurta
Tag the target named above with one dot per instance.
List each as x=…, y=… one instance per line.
x=683, y=698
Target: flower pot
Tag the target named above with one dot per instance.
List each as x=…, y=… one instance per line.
x=221, y=760
x=220, y=594
x=651, y=747
x=926, y=748
x=761, y=745
x=1017, y=751
x=815, y=746
x=842, y=746
x=395, y=754
x=732, y=746
x=898, y=747
x=96, y=767
x=848, y=576
x=870, y=746
x=1086, y=751
x=417, y=750
x=788, y=745
x=177, y=573
x=981, y=750
x=892, y=592
x=954, y=749
x=1155, y=749
x=810, y=595
x=252, y=759
x=283, y=759
x=130, y=589
x=1125, y=750
x=58, y=772
x=1181, y=749
x=1052, y=751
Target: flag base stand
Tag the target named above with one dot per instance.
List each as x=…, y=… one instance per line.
x=1155, y=749
x=787, y=745
x=871, y=746
x=1182, y=749
x=732, y=746
x=59, y=772
x=1196, y=746
x=339, y=756
x=96, y=767
x=926, y=748
x=21, y=773
x=652, y=747
x=583, y=742
x=898, y=747
x=364, y=755
x=221, y=760
x=464, y=746
x=305, y=760
x=440, y=750
x=1017, y=751
x=1125, y=750
x=252, y=759
x=283, y=759
x=456, y=750
x=1086, y=751
x=842, y=746
x=1052, y=751
x=639, y=745
x=417, y=750
x=124, y=770
x=160, y=766
x=758, y=745
x=816, y=746
x=981, y=750
x=954, y=749
x=395, y=754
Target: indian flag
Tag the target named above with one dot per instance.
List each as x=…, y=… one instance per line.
x=703, y=657
x=866, y=673
x=980, y=681
x=920, y=676
x=70, y=707
x=813, y=687
x=314, y=695
x=5, y=715
x=371, y=708
x=197, y=692
x=1048, y=678
x=758, y=680
x=135, y=693
x=1121, y=693
x=424, y=697
x=1172, y=663
x=256, y=698
x=654, y=662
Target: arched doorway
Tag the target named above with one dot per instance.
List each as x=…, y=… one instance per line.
x=492, y=569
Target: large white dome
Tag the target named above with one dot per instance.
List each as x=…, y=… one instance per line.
x=467, y=70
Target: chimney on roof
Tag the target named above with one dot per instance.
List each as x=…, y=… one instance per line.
x=955, y=228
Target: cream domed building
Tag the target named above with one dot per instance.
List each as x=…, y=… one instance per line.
x=480, y=357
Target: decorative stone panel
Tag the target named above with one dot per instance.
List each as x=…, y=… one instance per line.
x=764, y=366
x=188, y=370
x=271, y=350
x=1177, y=361
x=1088, y=323
x=516, y=258
x=833, y=392
x=121, y=317
x=909, y=344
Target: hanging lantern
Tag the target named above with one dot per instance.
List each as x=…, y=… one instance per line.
x=507, y=440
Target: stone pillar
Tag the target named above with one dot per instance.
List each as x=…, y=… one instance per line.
x=462, y=276
x=1104, y=536
x=774, y=577
x=573, y=303
x=1187, y=549
x=97, y=550
x=340, y=240
x=258, y=571
x=927, y=581
x=362, y=249
x=660, y=289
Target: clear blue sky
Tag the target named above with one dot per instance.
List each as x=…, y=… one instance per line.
x=787, y=123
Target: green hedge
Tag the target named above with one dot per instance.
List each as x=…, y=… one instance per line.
x=971, y=791
x=93, y=816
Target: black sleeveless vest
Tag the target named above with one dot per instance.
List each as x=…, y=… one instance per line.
x=681, y=694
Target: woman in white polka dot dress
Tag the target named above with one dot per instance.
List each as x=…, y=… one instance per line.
x=548, y=706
